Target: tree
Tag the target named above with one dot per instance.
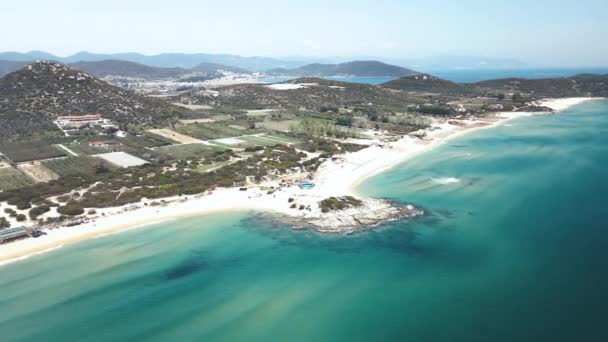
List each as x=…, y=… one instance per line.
x=4, y=223
x=500, y=96
x=21, y=218
x=71, y=210
x=101, y=168
x=517, y=97
x=345, y=121
x=37, y=211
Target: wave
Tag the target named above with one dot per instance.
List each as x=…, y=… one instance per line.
x=445, y=180
x=10, y=261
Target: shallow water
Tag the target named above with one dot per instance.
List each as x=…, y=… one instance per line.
x=515, y=250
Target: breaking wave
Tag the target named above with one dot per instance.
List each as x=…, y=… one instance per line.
x=445, y=180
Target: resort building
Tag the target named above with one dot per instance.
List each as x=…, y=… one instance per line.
x=13, y=234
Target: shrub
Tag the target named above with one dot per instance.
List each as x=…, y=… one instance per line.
x=37, y=211
x=339, y=203
x=4, y=223
x=253, y=148
x=20, y=218
x=434, y=110
x=71, y=210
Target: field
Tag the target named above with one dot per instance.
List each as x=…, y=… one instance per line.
x=177, y=137
x=212, y=131
x=189, y=151
x=284, y=125
x=37, y=171
x=142, y=142
x=11, y=178
x=73, y=165
x=30, y=150
x=83, y=149
x=260, y=139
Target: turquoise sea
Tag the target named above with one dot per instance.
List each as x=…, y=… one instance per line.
x=515, y=250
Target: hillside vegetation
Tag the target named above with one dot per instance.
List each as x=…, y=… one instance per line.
x=31, y=97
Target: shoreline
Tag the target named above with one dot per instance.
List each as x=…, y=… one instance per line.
x=338, y=177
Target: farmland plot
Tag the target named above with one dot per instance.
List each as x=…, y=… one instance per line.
x=11, y=178
x=188, y=152
x=212, y=131
x=174, y=136
x=30, y=150
x=37, y=171
x=75, y=165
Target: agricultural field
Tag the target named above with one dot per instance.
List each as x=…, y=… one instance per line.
x=188, y=151
x=284, y=125
x=83, y=149
x=260, y=139
x=178, y=137
x=212, y=131
x=141, y=142
x=11, y=178
x=31, y=150
x=37, y=171
x=74, y=165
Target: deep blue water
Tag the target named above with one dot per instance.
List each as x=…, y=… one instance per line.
x=365, y=80
x=515, y=250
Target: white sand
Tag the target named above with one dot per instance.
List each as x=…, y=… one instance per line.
x=562, y=104
x=333, y=178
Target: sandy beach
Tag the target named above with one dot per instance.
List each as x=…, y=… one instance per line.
x=337, y=177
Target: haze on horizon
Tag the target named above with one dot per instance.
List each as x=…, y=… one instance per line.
x=541, y=33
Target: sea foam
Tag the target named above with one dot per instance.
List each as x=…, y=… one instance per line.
x=10, y=261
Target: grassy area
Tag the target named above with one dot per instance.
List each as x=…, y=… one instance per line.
x=83, y=149
x=11, y=178
x=258, y=141
x=188, y=152
x=284, y=125
x=74, y=165
x=30, y=150
x=211, y=131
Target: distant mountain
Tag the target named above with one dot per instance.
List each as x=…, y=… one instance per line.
x=576, y=86
x=166, y=60
x=215, y=67
x=127, y=69
x=354, y=69
x=10, y=66
x=27, y=56
x=32, y=96
x=425, y=83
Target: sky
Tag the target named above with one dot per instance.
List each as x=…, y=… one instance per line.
x=538, y=32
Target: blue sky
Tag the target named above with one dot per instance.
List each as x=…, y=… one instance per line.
x=541, y=32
